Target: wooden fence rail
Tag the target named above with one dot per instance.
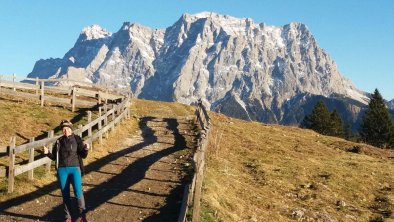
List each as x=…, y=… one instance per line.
x=192, y=192
x=66, y=81
x=119, y=111
x=39, y=91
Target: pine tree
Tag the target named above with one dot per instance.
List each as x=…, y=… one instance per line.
x=376, y=127
x=348, y=132
x=391, y=140
x=319, y=119
x=336, y=126
x=306, y=122
x=324, y=122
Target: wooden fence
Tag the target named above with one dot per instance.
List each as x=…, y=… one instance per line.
x=192, y=192
x=120, y=111
x=43, y=92
x=117, y=114
x=40, y=91
x=65, y=82
x=37, y=91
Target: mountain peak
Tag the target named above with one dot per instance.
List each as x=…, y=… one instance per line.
x=241, y=68
x=231, y=25
x=213, y=15
x=205, y=14
x=94, y=32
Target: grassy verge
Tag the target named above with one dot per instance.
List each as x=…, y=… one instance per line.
x=258, y=172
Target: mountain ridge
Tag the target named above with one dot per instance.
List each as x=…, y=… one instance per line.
x=234, y=65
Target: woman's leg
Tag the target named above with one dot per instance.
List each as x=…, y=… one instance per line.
x=77, y=185
x=64, y=183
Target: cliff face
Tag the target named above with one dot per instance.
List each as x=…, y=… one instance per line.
x=390, y=104
x=238, y=67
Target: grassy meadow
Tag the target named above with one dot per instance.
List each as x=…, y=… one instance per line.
x=254, y=172
x=258, y=172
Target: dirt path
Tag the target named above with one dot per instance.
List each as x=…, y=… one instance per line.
x=142, y=181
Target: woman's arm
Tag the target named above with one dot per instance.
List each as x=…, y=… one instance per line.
x=82, y=147
x=54, y=150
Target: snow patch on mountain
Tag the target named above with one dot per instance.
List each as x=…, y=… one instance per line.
x=95, y=32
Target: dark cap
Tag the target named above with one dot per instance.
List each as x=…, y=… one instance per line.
x=66, y=123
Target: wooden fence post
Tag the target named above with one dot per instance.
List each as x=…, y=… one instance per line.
x=51, y=134
x=13, y=81
x=11, y=165
x=200, y=163
x=90, y=130
x=114, y=114
x=192, y=187
x=74, y=97
x=106, y=98
x=113, y=120
x=199, y=160
x=37, y=85
x=30, y=173
x=106, y=119
x=100, y=127
x=128, y=110
x=42, y=93
x=197, y=191
x=80, y=130
x=99, y=98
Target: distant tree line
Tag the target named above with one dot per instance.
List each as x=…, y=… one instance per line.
x=376, y=128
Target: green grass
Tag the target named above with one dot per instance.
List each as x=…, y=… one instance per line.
x=207, y=213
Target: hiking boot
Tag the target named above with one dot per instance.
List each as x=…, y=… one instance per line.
x=82, y=218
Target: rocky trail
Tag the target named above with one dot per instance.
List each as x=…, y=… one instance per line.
x=142, y=181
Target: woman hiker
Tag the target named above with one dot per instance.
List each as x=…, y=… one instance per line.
x=68, y=152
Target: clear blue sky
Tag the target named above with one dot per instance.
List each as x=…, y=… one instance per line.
x=358, y=34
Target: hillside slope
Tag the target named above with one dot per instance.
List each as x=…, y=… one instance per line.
x=26, y=119
x=258, y=172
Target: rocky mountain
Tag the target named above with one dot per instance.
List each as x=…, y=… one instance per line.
x=390, y=104
x=243, y=69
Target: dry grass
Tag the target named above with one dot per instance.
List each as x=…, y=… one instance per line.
x=26, y=119
x=258, y=172
x=159, y=109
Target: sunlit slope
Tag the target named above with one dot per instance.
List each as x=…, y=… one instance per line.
x=26, y=119
x=258, y=172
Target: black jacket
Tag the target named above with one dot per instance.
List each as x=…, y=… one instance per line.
x=69, y=151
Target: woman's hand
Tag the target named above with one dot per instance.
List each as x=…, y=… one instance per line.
x=86, y=146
